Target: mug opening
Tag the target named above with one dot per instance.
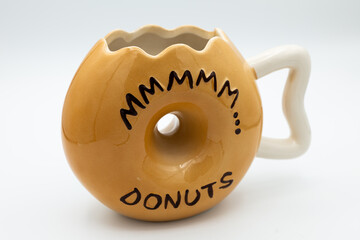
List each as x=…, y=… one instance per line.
x=153, y=40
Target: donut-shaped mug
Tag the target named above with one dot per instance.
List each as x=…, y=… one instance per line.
x=129, y=81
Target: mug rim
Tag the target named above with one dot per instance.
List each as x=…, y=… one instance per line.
x=209, y=36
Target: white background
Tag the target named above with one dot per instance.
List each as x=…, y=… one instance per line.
x=316, y=196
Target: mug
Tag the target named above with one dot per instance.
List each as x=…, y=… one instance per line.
x=128, y=82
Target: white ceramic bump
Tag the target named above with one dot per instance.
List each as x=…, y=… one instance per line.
x=297, y=59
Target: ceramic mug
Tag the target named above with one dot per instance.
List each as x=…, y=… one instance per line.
x=129, y=81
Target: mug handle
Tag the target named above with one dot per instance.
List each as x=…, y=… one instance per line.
x=297, y=59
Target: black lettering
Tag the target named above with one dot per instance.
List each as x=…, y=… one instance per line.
x=158, y=199
x=138, y=197
x=151, y=90
x=173, y=75
x=194, y=201
x=169, y=199
x=130, y=99
x=207, y=79
x=227, y=182
x=209, y=188
x=229, y=92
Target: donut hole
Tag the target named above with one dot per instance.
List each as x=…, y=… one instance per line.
x=168, y=125
x=178, y=134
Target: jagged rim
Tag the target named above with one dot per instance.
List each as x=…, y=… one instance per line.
x=166, y=33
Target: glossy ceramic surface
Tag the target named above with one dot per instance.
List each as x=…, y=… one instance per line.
x=120, y=92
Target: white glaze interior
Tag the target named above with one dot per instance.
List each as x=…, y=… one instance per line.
x=153, y=39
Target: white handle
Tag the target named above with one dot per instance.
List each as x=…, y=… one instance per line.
x=297, y=60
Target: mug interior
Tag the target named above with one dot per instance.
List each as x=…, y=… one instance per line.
x=154, y=40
